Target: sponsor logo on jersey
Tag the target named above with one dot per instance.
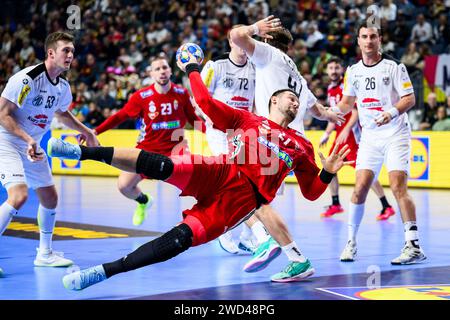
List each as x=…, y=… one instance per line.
x=25, y=81
x=153, y=115
x=239, y=102
x=386, y=80
x=407, y=85
x=2, y=176
x=228, y=82
x=169, y=125
x=372, y=104
x=283, y=156
x=40, y=120
x=151, y=106
x=23, y=94
x=175, y=104
x=147, y=93
x=37, y=101
x=178, y=90
x=264, y=128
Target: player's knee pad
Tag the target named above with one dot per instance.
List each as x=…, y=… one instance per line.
x=174, y=242
x=154, y=166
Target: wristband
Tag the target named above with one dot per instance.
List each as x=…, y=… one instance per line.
x=326, y=176
x=393, y=112
x=191, y=67
x=255, y=29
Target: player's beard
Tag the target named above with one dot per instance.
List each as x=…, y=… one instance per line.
x=290, y=115
x=163, y=82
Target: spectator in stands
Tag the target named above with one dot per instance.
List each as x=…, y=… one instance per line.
x=441, y=32
x=104, y=99
x=388, y=11
x=314, y=37
x=95, y=117
x=411, y=57
x=443, y=122
x=422, y=31
x=429, y=112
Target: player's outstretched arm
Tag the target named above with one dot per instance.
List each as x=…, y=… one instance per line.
x=68, y=119
x=242, y=36
x=312, y=186
x=403, y=105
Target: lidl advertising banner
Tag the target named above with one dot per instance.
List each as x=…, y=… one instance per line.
x=429, y=160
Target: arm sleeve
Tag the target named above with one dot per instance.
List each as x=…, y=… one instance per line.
x=209, y=76
x=191, y=116
x=348, y=90
x=262, y=55
x=223, y=116
x=402, y=83
x=310, y=97
x=18, y=89
x=132, y=109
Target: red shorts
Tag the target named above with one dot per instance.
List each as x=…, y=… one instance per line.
x=225, y=196
x=352, y=144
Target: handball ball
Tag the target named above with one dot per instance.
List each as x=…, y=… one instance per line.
x=192, y=48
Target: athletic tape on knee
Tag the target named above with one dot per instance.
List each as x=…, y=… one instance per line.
x=154, y=166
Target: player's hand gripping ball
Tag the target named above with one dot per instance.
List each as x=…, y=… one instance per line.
x=189, y=53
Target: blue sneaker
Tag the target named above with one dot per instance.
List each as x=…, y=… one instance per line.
x=294, y=271
x=64, y=150
x=263, y=255
x=80, y=280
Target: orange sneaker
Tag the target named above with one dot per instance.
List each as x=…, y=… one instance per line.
x=332, y=210
x=385, y=213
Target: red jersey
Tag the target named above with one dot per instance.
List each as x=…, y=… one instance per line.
x=161, y=115
x=334, y=96
x=261, y=149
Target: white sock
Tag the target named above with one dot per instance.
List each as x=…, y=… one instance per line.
x=355, y=215
x=411, y=233
x=293, y=252
x=246, y=232
x=46, y=221
x=260, y=232
x=7, y=212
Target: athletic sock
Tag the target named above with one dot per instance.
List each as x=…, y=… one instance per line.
x=411, y=233
x=142, y=198
x=260, y=232
x=335, y=200
x=293, y=252
x=356, y=213
x=46, y=221
x=102, y=154
x=384, y=202
x=7, y=212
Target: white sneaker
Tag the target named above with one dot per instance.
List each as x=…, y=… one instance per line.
x=349, y=252
x=247, y=244
x=51, y=258
x=227, y=243
x=62, y=149
x=409, y=255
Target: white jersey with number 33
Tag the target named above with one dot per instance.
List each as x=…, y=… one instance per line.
x=378, y=88
x=276, y=71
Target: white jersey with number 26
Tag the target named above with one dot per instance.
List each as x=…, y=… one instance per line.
x=377, y=89
x=275, y=70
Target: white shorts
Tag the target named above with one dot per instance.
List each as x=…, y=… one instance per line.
x=394, y=152
x=15, y=168
x=217, y=140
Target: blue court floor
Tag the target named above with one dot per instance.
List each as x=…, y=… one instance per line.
x=95, y=226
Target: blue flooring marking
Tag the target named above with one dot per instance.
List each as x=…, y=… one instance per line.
x=208, y=272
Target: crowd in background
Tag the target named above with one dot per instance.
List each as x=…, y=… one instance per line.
x=116, y=40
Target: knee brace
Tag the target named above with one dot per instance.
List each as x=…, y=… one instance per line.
x=154, y=166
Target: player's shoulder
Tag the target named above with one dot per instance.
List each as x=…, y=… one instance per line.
x=25, y=76
x=222, y=58
x=178, y=89
x=144, y=92
x=390, y=61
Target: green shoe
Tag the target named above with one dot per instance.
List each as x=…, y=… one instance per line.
x=294, y=271
x=263, y=255
x=140, y=214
